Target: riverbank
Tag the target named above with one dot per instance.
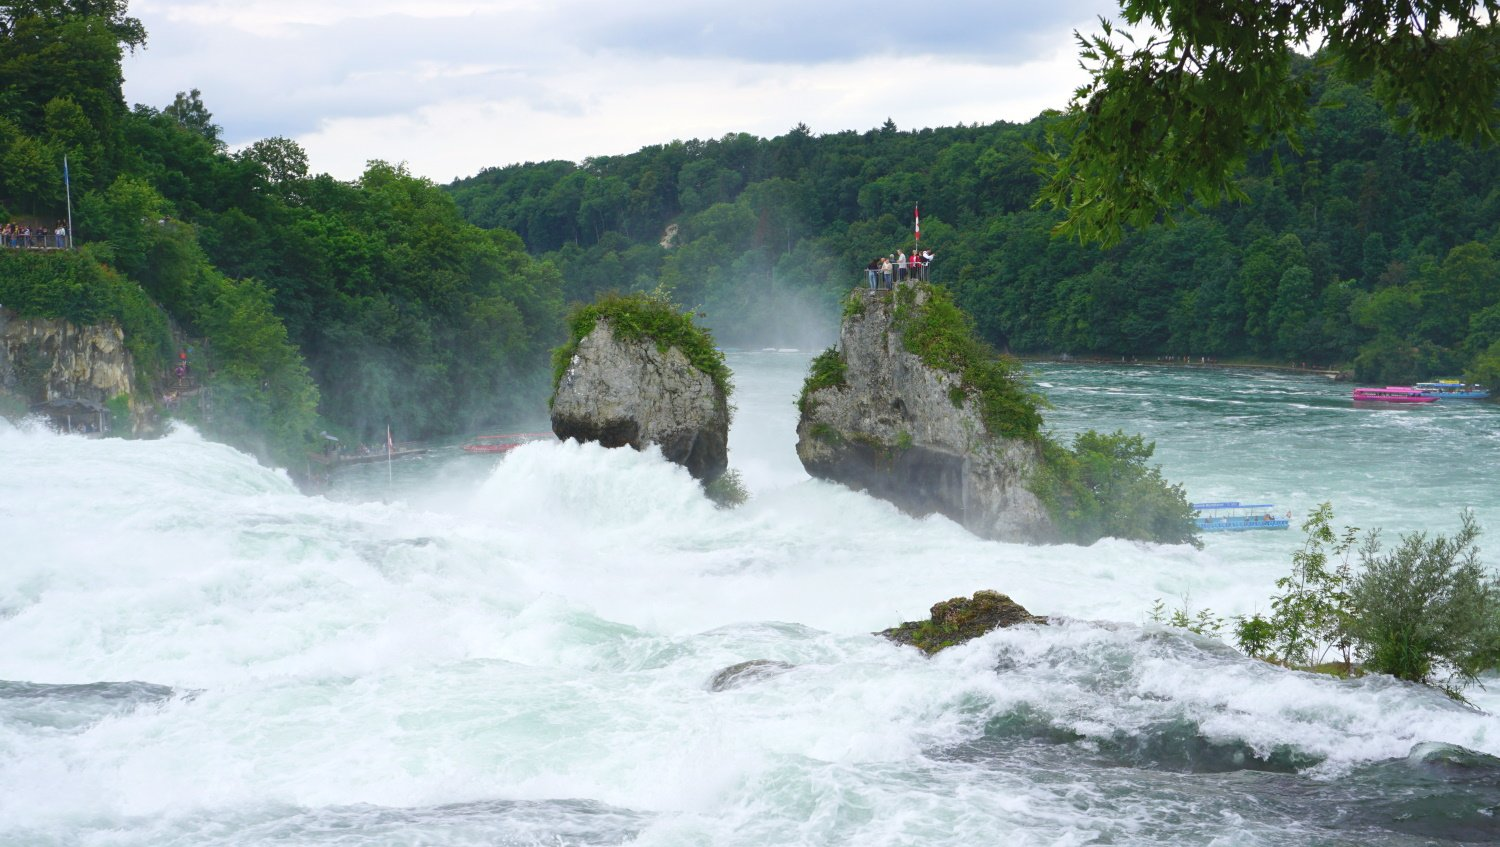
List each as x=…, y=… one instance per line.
x=1201, y=362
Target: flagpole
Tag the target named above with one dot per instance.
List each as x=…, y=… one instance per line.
x=388, y=477
x=68, y=191
x=916, y=225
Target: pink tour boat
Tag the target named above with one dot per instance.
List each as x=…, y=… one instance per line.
x=1392, y=394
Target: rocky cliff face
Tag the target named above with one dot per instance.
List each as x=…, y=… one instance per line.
x=44, y=360
x=620, y=392
x=893, y=429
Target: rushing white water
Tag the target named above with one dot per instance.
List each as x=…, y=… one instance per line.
x=519, y=652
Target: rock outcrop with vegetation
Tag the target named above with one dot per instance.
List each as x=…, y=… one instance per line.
x=636, y=371
x=912, y=409
x=961, y=619
x=46, y=359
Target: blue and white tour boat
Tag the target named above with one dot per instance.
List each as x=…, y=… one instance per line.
x=1234, y=516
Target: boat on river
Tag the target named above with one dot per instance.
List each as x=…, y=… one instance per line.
x=504, y=442
x=1392, y=394
x=1234, y=516
x=338, y=458
x=1452, y=389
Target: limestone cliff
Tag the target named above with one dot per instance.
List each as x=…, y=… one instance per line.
x=876, y=418
x=620, y=391
x=47, y=361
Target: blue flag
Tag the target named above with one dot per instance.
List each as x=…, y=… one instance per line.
x=65, y=173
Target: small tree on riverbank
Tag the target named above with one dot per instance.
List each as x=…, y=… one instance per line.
x=1426, y=607
x=1312, y=614
x=1426, y=612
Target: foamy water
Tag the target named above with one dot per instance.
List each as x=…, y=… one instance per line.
x=519, y=652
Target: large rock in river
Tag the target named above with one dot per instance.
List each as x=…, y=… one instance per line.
x=622, y=392
x=962, y=619
x=876, y=418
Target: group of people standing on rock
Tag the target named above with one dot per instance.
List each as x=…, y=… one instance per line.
x=898, y=267
x=20, y=236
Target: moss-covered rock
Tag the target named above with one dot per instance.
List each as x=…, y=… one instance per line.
x=637, y=372
x=962, y=619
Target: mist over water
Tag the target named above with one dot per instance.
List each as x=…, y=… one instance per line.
x=459, y=650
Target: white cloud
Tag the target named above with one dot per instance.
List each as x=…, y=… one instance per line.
x=453, y=86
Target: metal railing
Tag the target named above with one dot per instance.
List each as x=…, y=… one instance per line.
x=43, y=240
x=899, y=272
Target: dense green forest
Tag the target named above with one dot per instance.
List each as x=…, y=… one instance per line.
x=1368, y=247
x=314, y=302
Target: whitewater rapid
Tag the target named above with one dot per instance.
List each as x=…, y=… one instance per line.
x=518, y=652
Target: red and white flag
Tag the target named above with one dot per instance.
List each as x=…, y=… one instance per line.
x=916, y=215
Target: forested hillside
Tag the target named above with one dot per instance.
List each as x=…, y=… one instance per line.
x=1368, y=246
x=319, y=303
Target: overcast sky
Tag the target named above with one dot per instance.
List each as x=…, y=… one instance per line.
x=453, y=86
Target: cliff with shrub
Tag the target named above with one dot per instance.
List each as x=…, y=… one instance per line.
x=914, y=408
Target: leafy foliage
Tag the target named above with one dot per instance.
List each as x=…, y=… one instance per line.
x=74, y=287
x=1314, y=611
x=1103, y=487
x=1172, y=118
x=1253, y=635
x=639, y=316
x=727, y=490
x=1427, y=606
x=939, y=333
x=1201, y=622
x=828, y=370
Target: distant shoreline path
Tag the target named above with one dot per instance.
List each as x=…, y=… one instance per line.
x=1180, y=362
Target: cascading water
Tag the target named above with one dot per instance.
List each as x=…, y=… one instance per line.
x=519, y=652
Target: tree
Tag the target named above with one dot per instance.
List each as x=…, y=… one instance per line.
x=1172, y=118
x=1313, y=612
x=73, y=47
x=1426, y=606
x=127, y=30
x=1103, y=486
x=190, y=113
x=281, y=160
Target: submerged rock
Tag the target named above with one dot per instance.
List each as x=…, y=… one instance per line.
x=747, y=672
x=878, y=419
x=961, y=619
x=620, y=392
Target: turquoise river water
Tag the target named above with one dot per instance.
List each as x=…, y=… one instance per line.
x=460, y=650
